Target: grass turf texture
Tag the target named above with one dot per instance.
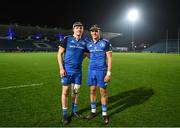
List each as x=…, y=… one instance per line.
x=144, y=91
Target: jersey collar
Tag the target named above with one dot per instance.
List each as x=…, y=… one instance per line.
x=96, y=41
x=75, y=38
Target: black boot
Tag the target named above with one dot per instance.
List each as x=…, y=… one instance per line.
x=105, y=120
x=91, y=116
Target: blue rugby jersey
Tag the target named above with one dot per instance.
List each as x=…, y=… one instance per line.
x=98, y=54
x=74, y=53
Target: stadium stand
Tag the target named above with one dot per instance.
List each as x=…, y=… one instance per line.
x=160, y=47
x=28, y=45
x=29, y=38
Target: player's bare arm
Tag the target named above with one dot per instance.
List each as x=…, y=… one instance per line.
x=109, y=66
x=60, y=61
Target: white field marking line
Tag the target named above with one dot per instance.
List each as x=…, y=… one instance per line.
x=21, y=86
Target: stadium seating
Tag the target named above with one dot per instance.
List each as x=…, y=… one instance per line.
x=160, y=47
x=28, y=45
x=24, y=38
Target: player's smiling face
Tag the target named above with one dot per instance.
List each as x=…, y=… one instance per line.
x=78, y=30
x=95, y=34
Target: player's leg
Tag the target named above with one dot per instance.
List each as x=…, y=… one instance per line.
x=104, y=101
x=93, y=98
x=93, y=102
x=64, y=98
x=103, y=93
x=75, y=86
x=92, y=83
x=74, y=94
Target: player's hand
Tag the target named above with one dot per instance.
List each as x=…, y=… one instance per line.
x=107, y=78
x=62, y=72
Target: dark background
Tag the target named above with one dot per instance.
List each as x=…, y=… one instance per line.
x=156, y=16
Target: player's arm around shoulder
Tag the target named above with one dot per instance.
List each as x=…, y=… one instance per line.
x=86, y=53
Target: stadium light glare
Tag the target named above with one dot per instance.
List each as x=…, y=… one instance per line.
x=133, y=15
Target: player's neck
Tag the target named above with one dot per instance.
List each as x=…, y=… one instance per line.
x=77, y=37
x=95, y=40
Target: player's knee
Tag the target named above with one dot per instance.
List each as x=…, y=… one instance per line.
x=104, y=95
x=93, y=91
x=75, y=89
x=65, y=93
x=74, y=93
x=65, y=90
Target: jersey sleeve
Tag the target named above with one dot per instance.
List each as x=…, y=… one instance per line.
x=63, y=43
x=108, y=47
x=86, y=49
x=86, y=44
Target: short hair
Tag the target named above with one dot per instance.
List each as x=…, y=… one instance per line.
x=77, y=24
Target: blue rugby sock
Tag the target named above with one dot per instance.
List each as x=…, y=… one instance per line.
x=93, y=107
x=104, y=109
x=74, y=107
x=65, y=112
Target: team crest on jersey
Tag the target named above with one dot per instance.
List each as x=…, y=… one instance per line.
x=72, y=41
x=102, y=44
x=90, y=45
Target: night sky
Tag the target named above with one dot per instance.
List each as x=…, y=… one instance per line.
x=156, y=16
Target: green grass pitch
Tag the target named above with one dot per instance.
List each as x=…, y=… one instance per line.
x=144, y=91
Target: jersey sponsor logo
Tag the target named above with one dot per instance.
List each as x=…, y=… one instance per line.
x=96, y=50
x=76, y=46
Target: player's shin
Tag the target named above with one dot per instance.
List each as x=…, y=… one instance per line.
x=93, y=98
x=75, y=91
x=64, y=99
x=93, y=107
x=104, y=101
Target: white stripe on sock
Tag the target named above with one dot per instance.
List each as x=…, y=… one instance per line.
x=93, y=110
x=104, y=113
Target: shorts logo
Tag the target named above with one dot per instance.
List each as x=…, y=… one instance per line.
x=62, y=80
